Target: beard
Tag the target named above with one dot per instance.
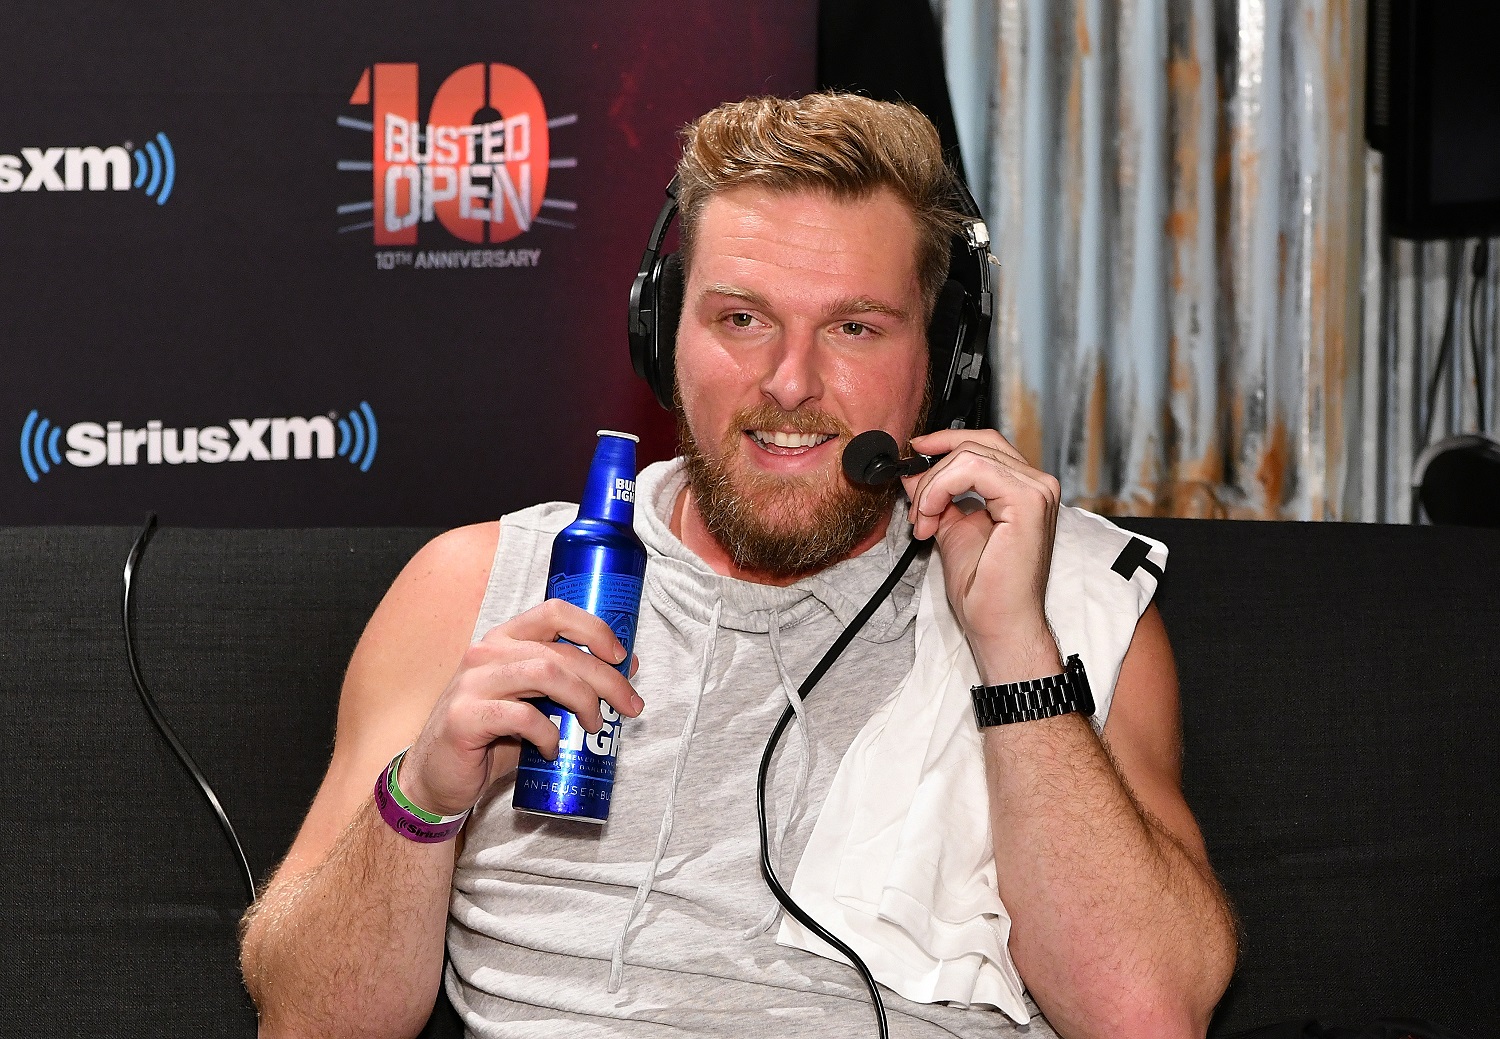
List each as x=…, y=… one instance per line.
x=784, y=527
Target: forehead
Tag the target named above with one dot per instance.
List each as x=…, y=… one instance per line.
x=810, y=239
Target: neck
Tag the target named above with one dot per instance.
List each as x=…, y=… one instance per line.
x=689, y=527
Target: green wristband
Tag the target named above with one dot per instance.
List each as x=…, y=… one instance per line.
x=401, y=799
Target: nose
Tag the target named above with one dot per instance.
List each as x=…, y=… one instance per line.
x=794, y=377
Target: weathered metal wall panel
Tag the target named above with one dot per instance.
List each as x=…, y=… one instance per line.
x=1199, y=313
x=1366, y=497
x=1169, y=185
x=1402, y=360
x=1192, y=228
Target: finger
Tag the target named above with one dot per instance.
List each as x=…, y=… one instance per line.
x=498, y=666
x=923, y=501
x=526, y=679
x=603, y=681
x=1004, y=484
x=518, y=718
x=971, y=456
x=556, y=619
x=947, y=440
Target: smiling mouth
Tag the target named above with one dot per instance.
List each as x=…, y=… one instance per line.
x=777, y=441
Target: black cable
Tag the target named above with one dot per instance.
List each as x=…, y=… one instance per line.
x=1479, y=269
x=149, y=702
x=1444, y=348
x=766, y=868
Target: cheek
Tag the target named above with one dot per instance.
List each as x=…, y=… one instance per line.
x=706, y=386
x=694, y=380
x=887, y=395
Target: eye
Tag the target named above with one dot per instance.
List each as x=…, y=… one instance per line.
x=853, y=328
x=741, y=320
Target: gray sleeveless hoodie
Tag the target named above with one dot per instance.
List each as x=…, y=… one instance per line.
x=658, y=924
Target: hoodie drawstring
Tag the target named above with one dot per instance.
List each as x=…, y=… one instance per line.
x=684, y=742
x=804, y=763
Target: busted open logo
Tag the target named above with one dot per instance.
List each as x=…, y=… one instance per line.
x=477, y=163
x=45, y=445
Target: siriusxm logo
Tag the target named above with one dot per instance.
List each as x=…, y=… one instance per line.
x=355, y=436
x=93, y=169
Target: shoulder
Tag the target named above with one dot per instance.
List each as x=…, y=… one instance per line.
x=547, y=518
x=453, y=568
x=422, y=625
x=1101, y=582
x=409, y=650
x=454, y=553
x=447, y=574
x=430, y=611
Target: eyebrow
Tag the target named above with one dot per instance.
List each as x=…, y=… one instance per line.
x=840, y=308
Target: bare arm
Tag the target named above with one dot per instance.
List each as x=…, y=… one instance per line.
x=354, y=906
x=347, y=938
x=1119, y=928
x=1118, y=924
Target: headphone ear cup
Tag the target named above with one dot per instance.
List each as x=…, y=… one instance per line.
x=662, y=369
x=945, y=333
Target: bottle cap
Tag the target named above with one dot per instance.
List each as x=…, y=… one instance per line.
x=613, y=433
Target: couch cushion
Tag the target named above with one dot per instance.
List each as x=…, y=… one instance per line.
x=1339, y=688
x=1338, y=699
x=120, y=908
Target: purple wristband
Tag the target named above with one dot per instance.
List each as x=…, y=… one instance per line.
x=412, y=827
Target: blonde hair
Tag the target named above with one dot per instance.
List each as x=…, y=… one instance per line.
x=843, y=144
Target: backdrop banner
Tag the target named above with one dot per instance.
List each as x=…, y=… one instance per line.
x=340, y=263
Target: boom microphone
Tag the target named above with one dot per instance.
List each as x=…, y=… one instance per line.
x=873, y=458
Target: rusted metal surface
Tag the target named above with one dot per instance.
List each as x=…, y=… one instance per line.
x=1402, y=363
x=1019, y=400
x=1192, y=287
x=1199, y=312
x=1367, y=497
x=1169, y=188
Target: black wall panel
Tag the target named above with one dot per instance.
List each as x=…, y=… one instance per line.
x=189, y=239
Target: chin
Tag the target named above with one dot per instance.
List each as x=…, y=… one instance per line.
x=786, y=498
x=784, y=525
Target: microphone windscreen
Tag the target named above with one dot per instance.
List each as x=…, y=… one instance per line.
x=871, y=457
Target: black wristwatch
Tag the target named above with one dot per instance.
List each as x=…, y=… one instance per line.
x=1035, y=699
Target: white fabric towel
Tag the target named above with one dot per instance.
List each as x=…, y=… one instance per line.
x=900, y=864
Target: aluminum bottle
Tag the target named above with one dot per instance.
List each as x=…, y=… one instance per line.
x=597, y=564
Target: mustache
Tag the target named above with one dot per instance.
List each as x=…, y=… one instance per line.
x=802, y=420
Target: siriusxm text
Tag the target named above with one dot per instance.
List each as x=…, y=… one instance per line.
x=66, y=169
x=243, y=440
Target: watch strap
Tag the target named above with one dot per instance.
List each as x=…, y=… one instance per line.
x=1036, y=698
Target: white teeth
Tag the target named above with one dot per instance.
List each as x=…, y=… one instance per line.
x=780, y=439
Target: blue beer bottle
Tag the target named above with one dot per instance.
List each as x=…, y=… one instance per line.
x=598, y=564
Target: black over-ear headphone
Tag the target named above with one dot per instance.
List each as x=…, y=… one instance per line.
x=957, y=336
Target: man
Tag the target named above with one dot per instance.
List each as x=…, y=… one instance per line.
x=815, y=238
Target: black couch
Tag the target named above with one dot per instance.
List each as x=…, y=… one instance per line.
x=1339, y=696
